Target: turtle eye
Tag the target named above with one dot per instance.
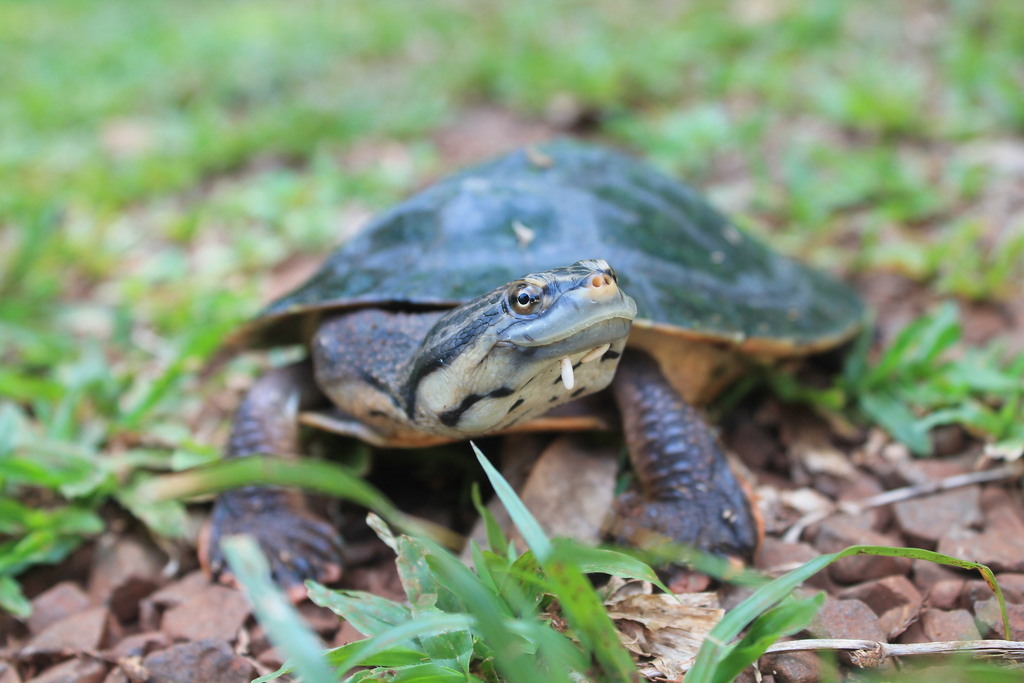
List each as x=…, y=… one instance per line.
x=524, y=298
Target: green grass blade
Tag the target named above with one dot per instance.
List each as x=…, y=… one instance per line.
x=583, y=609
x=716, y=646
x=497, y=542
x=607, y=561
x=524, y=520
x=370, y=614
x=782, y=620
x=588, y=619
x=514, y=656
x=12, y=600
x=313, y=475
x=362, y=652
x=282, y=621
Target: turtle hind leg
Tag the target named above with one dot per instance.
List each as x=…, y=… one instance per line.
x=688, y=493
x=298, y=544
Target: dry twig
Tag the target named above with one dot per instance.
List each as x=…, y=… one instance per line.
x=1009, y=471
x=870, y=653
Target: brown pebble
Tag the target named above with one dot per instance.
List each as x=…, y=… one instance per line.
x=1012, y=585
x=217, y=612
x=990, y=621
x=173, y=594
x=63, y=600
x=846, y=619
x=946, y=594
x=839, y=532
x=913, y=634
x=1005, y=520
x=199, y=662
x=792, y=667
x=139, y=645
x=894, y=599
x=86, y=630
x=117, y=675
x=915, y=472
x=125, y=569
x=942, y=625
x=85, y=670
x=977, y=590
x=1002, y=552
x=180, y=591
x=8, y=673
x=925, y=520
x=926, y=574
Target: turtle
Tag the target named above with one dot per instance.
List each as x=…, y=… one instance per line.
x=499, y=296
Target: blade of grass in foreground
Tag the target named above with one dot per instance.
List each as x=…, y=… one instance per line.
x=582, y=607
x=312, y=475
x=719, y=654
x=283, y=623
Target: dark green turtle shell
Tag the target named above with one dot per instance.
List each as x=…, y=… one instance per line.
x=691, y=271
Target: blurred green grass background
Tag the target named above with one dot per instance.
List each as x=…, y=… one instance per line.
x=159, y=161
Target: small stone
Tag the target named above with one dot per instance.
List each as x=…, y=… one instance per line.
x=839, y=532
x=171, y=595
x=942, y=625
x=990, y=621
x=946, y=594
x=8, y=673
x=862, y=487
x=571, y=489
x=1005, y=521
x=139, y=645
x=846, y=619
x=118, y=675
x=792, y=667
x=1002, y=552
x=914, y=472
x=913, y=634
x=180, y=591
x=270, y=659
x=61, y=601
x=894, y=599
x=976, y=590
x=1012, y=585
x=73, y=671
x=217, y=612
x=924, y=520
x=86, y=630
x=199, y=662
x=996, y=496
x=125, y=570
x=926, y=574
x=777, y=556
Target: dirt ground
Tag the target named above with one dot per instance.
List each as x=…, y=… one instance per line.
x=118, y=610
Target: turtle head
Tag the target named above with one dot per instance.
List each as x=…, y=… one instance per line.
x=520, y=350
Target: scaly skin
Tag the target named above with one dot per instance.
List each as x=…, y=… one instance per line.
x=687, y=493
x=299, y=545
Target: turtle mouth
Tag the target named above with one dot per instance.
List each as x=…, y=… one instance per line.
x=583, y=338
x=585, y=345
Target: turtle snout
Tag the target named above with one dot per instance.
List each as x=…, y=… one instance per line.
x=600, y=286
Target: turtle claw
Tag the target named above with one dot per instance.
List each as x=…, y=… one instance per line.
x=721, y=527
x=298, y=544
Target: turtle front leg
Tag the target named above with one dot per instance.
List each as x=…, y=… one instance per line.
x=688, y=493
x=298, y=544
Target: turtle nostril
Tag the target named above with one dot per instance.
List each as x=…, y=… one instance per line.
x=599, y=280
